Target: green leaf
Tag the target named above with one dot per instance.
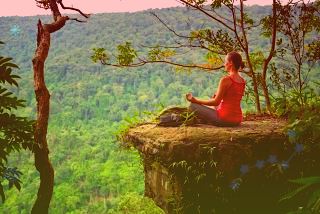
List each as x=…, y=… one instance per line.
x=294, y=193
x=126, y=54
x=307, y=180
x=314, y=201
x=99, y=54
x=3, y=197
x=7, y=94
x=15, y=76
x=9, y=64
x=17, y=185
x=2, y=90
x=10, y=184
x=4, y=60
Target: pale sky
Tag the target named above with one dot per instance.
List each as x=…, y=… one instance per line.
x=29, y=8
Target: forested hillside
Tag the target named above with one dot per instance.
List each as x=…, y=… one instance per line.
x=90, y=103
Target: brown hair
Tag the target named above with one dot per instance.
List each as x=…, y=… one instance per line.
x=236, y=59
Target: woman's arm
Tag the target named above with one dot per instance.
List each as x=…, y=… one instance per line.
x=224, y=84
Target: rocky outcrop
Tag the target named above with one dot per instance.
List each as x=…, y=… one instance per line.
x=191, y=169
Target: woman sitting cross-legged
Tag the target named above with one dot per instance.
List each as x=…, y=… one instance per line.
x=227, y=98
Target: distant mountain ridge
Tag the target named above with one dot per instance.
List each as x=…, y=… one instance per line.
x=105, y=30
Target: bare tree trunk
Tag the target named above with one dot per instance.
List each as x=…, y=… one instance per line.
x=300, y=83
x=268, y=59
x=41, y=152
x=255, y=83
x=245, y=48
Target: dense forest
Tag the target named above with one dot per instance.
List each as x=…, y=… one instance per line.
x=90, y=103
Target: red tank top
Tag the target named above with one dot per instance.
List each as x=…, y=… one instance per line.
x=229, y=109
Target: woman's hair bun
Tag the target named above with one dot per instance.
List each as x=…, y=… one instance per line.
x=242, y=66
x=236, y=59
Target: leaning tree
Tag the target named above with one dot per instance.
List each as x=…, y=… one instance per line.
x=41, y=151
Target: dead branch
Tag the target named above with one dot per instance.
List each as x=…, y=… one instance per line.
x=144, y=62
x=169, y=28
x=187, y=3
x=72, y=8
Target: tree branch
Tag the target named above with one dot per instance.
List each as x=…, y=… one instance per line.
x=220, y=16
x=186, y=2
x=144, y=62
x=235, y=27
x=72, y=8
x=78, y=20
x=273, y=42
x=242, y=26
x=57, y=25
x=169, y=28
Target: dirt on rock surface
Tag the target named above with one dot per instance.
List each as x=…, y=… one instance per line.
x=257, y=117
x=187, y=141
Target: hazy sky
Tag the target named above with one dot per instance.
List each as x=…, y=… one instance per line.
x=29, y=8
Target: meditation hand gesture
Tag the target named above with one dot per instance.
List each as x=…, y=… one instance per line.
x=190, y=97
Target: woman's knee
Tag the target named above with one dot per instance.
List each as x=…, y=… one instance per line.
x=194, y=107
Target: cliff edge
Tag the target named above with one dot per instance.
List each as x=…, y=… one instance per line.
x=189, y=169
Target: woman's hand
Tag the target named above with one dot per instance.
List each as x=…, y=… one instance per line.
x=190, y=97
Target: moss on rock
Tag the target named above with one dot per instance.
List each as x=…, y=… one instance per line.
x=187, y=165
